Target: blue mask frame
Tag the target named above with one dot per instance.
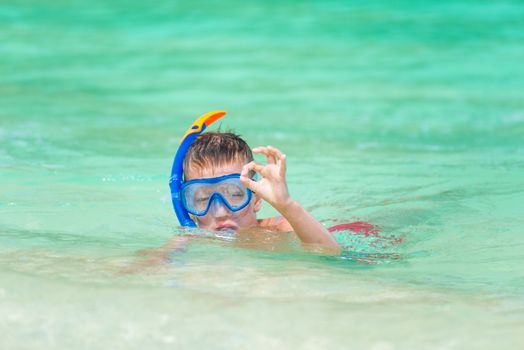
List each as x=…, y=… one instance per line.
x=177, y=172
x=216, y=196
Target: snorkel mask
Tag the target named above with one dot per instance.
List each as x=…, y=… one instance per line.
x=177, y=172
x=199, y=195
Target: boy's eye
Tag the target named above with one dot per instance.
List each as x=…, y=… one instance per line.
x=202, y=195
x=234, y=192
x=201, y=200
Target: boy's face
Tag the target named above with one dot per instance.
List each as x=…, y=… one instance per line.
x=219, y=217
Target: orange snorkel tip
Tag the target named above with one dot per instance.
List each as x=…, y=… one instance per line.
x=203, y=122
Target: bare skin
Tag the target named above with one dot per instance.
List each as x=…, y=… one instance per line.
x=272, y=188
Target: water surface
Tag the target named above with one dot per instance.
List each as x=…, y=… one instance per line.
x=407, y=115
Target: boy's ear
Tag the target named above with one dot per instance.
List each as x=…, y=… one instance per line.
x=257, y=203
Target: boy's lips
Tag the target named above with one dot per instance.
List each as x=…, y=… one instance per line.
x=226, y=227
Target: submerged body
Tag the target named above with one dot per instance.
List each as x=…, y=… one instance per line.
x=213, y=187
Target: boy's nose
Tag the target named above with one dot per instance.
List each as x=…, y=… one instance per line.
x=219, y=209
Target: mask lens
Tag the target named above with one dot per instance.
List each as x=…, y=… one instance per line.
x=234, y=193
x=196, y=195
x=201, y=198
x=196, y=198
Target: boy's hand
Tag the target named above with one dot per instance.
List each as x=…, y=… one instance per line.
x=272, y=187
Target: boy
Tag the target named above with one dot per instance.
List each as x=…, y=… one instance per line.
x=212, y=187
x=218, y=172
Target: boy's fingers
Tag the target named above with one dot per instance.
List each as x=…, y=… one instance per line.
x=274, y=156
x=269, y=155
x=246, y=181
x=274, y=151
x=267, y=152
x=259, y=149
x=283, y=165
x=245, y=170
x=281, y=159
x=252, y=166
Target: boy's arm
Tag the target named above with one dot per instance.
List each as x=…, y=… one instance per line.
x=273, y=189
x=157, y=256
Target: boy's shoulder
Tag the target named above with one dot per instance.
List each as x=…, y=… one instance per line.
x=277, y=223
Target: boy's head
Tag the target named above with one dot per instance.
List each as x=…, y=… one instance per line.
x=215, y=154
x=212, y=150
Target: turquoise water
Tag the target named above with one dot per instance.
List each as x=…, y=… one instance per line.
x=408, y=115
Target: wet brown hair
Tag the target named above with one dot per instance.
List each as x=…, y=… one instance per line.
x=214, y=148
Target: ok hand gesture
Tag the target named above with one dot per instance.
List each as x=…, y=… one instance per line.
x=272, y=187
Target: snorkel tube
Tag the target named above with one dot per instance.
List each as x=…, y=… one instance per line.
x=177, y=171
